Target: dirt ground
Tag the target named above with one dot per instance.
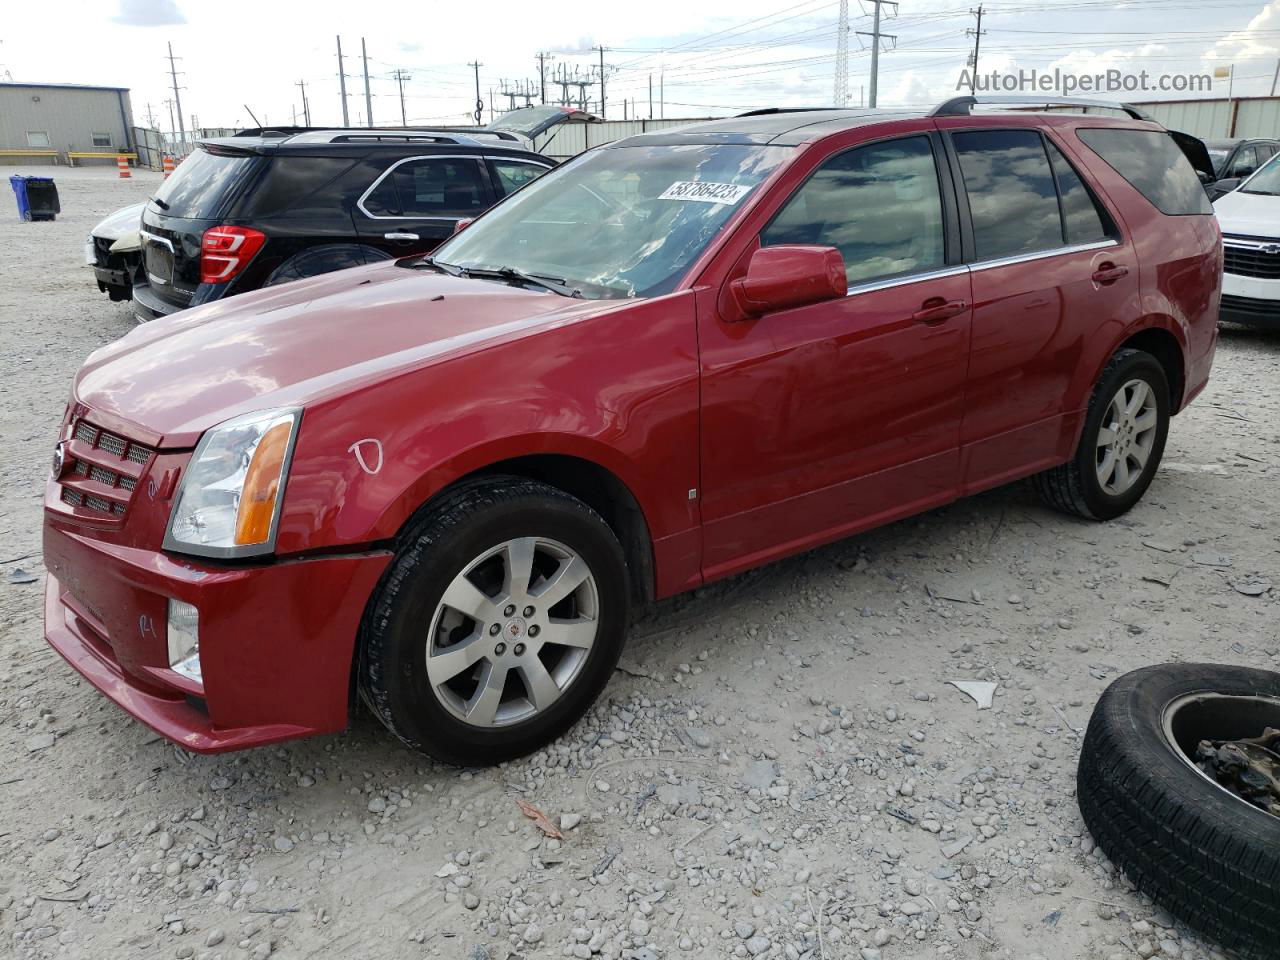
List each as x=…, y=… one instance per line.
x=780, y=770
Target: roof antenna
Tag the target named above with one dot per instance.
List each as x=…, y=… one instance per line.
x=255, y=119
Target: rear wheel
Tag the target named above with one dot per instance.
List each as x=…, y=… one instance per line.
x=498, y=624
x=1121, y=444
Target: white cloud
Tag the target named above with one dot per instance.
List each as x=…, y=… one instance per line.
x=149, y=13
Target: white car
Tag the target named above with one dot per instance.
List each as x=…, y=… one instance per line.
x=1250, y=219
x=114, y=251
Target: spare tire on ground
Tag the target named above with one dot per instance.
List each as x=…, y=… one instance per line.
x=1198, y=848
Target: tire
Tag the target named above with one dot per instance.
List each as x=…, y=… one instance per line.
x=1208, y=857
x=483, y=526
x=1075, y=487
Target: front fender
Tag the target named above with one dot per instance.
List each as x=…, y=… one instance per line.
x=619, y=390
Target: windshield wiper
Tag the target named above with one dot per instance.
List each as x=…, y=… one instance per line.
x=160, y=203
x=511, y=274
x=449, y=268
x=1262, y=193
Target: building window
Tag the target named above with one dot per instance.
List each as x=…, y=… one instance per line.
x=102, y=139
x=37, y=138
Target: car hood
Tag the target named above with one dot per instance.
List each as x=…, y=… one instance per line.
x=168, y=381
x=122, y=221
x=1248, y=214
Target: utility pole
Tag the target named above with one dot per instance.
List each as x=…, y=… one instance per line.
x=306, y=109
x=1274, y=81
x=479, y=112
x=177, y=100
x=368, y=97
x=842, y=56
x=400, y=77
x=342, y=85
x=977, y=34
x=151, y=120
x=876, y=36
x=542, y=73
x=603, y=102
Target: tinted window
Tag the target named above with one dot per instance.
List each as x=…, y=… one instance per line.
x=1012, y=198
x=879, y=205
x=514, y=174
x=1083, y=219
x=429, y=187
x=200, y=185
x=1154, y=165
x=1244, y=162
x=301, y=186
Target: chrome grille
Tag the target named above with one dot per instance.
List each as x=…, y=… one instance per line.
x=106, y=466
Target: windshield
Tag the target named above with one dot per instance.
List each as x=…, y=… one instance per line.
x=200, y=185
x=1266, y=180
x=616, y=222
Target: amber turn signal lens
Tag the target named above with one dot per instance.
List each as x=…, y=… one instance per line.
x=261, y=486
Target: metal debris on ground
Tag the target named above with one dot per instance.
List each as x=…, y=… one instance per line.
x=1249, y=768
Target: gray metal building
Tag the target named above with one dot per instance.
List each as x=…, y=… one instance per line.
x=47, y=122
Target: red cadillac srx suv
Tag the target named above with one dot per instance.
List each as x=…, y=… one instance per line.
x=443, y=483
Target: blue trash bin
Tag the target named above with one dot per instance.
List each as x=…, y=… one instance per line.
x=37, y=197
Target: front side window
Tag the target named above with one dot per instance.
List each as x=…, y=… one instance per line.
x=514, y=174
x=1012, y=198
x=429, y=187
x=623, y=221
x=879, y=205
x=1154, y=165
x=1244, y=163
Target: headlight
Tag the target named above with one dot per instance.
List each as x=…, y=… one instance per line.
x=229, y=502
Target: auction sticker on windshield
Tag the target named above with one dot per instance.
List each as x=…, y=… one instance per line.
x=705, y=192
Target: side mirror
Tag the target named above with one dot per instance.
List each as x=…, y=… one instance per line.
x=463, y=224
x=1221, y=188
x=785, y=277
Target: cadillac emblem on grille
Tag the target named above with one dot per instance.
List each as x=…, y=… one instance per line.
x=59, y=458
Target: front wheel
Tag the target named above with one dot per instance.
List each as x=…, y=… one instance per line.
x=1121, y=444
x=498, y=624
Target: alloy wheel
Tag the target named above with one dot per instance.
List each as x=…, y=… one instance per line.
x=512, y=631
x=1126, y=437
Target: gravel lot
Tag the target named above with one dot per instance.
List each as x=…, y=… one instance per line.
x=779, y=770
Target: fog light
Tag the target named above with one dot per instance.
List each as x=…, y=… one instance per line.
x=184, y=640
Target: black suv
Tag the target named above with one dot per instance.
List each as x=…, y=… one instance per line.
x=267, y=206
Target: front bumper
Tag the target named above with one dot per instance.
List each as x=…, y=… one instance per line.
x=1251, y=300
x=276, y=640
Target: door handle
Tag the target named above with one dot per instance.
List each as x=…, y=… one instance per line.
x=936, y=310
x=1109, y=273
x=400, y=236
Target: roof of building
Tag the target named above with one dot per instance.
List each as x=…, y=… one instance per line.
x=61, y=86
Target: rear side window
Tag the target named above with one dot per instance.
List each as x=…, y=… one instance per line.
x=514, y=174
x=429, y=187
x=199, y=188
x=1155, y=167
x=879, y=205
x=1083, y=220
x=1012, y=198
x=302, y=186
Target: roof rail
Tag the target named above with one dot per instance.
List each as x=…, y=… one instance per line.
x=962, y=106
x=769, y=111
x=383, y=133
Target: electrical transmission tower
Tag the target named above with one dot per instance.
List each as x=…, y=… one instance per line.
x=842, y=57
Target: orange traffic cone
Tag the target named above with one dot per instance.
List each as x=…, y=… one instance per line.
x=168, y=166
x=122, y=168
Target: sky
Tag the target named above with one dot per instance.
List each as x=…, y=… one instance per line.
x=712, y=58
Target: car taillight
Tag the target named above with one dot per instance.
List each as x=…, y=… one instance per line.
x=225, y=251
